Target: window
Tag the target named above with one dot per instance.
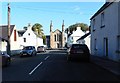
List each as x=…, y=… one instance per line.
x=28, y=33
x=60, y=37
x=102, y=20
x=95, y=44
x=93, y=24
x=15, y=37
x=55, y=37
x=24, y=39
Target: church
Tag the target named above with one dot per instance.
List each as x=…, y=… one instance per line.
x=57, y=37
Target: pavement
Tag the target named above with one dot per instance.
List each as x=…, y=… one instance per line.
x=107, y=64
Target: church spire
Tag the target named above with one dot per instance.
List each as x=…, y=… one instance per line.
x=51, y=26
x=63, y=26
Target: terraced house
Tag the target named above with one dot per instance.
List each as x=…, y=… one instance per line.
x=105, y=31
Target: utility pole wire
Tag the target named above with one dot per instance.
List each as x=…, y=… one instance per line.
x=50, y=11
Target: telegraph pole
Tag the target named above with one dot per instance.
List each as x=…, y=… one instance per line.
x=8, y=31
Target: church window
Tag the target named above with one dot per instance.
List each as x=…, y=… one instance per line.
x=55, y=37
x=60, y=37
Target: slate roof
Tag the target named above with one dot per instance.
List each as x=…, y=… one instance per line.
x=84, y=36
x=21, y=32
x=101, y=9
x=3, y=30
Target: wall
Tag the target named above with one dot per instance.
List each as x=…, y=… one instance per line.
x=110, y=31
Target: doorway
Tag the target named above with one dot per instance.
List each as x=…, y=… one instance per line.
x=106, y=47
x=58, y=45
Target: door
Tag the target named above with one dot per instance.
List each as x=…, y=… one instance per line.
x=58, y=45
x=106, y=47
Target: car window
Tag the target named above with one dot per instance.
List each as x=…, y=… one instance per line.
x=78, y=46
x=40, y=46
x=27, y=48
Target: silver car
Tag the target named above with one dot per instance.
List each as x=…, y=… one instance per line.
x=28, y=51
x=41, y=49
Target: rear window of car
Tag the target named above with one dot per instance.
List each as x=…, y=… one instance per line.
x=77, y=46
x=40, y=46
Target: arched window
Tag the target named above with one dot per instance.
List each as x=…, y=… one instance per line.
x=55, y=37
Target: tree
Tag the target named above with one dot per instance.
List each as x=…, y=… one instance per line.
x=71, y=28
x=38, y=29
x=44, y=39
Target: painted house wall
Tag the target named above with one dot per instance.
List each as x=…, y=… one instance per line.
x=30, y=39
x=75, y=36
x=119, y=18
x=87, y=41
x=14, y=44
x=109, y=31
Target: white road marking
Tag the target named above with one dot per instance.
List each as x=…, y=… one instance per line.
x=46, y=57
x=35, y=68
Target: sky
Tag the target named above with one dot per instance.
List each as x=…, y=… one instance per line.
x=23, y=13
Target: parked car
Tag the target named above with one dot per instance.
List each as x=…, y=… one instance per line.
x=28, y=51
x=5, y=59
x=41, y=49
x=78, y=51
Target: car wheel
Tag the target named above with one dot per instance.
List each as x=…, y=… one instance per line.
x=35, y=53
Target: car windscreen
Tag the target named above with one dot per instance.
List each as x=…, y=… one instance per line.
x=27, y=48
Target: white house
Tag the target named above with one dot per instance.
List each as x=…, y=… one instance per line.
x=29, y=38
x=13, y=37
x=105, y=31
x=85, y=39
x=72, y=39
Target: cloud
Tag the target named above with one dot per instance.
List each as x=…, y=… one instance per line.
x=76, y=8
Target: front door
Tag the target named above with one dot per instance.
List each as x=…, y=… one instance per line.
x=106, y=46
x=58, y=45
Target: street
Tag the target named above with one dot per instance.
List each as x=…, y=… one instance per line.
x=53, y=66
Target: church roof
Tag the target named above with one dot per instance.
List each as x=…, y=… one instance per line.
x=57, y=30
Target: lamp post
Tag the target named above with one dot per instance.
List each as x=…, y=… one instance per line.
x=8, y=31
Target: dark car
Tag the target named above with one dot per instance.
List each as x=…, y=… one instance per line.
x=78, y=51
x=28, y=51
x=5, y=59
x=41, y=49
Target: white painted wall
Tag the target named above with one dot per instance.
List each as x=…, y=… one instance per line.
x=75, y=36
x=110, y=31
x=14, y=44
x=31, y=39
